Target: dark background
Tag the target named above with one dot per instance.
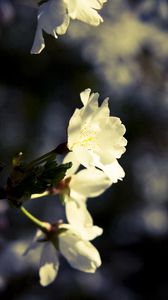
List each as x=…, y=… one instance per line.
x=125, y=58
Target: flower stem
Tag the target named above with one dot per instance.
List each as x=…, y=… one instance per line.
x=44, y=226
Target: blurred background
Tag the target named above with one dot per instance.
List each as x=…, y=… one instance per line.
x=125, y=58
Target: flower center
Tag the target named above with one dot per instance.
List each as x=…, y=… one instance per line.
x=87, y=138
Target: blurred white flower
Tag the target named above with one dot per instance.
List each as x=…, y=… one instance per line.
x=80, y=254
x=96, y=138
x=54, y=17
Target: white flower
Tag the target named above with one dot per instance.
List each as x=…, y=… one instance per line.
x=80, y=254
x=96, y=138
x=54, y=17
x=81, y=185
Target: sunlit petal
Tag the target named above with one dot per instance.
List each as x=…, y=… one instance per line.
x=90, y=182
x=80, y=254
x=49, y=264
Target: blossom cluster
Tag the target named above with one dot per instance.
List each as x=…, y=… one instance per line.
x=95, y=143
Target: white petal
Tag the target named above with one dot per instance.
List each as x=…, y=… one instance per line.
x=84, y=11
x=35, y=242
x=114, y=171
x=74, y=128
x=85, y=96
x=97, y=3
x=88, y=111
x=64, y=26
x=70, y=157
x=51, y=14
x=79, y=122
x=80, y=219
x=90, y=233
x=111, y=137
x=49, y=264
x=90, y=182
x=80, y=254
x=52, y=18
x=101, y=116
x=77, y=213
x=38, y=44
x=83, y=156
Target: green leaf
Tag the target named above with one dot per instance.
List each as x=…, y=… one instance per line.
x=34, y=178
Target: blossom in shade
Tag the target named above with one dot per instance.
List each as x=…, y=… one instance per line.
x=79, y=253
x=54, y=17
